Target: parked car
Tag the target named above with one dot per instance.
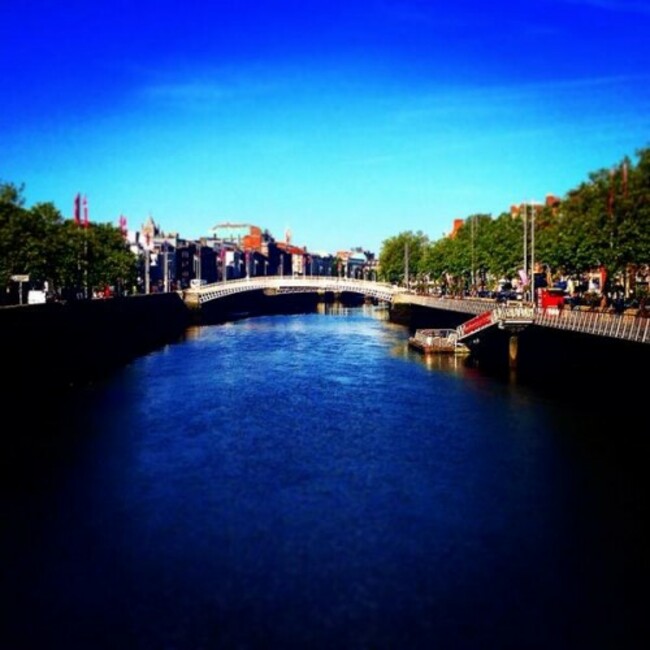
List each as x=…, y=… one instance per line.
x=508, y=294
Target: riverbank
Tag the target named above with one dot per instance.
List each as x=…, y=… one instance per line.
x=58, y=345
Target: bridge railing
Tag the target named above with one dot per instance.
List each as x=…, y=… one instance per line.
x=464, y=305
x=476, y=324
x=288, y=284
x=620, y=326
x=513, y=315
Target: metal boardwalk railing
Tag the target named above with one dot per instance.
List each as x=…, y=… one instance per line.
x=503, y=316
x=462, y=305
x=626, y=327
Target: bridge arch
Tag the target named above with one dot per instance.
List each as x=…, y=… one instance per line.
x=283, y=285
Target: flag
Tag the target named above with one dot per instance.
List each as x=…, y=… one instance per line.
x=123, y=226
x=77, y=209
x=85, y=217
x=625, y=178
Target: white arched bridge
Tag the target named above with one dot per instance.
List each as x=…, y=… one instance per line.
x=282, y=285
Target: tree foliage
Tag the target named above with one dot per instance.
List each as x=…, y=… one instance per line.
x=71, y=258
x=604, y=222
x=406, y=248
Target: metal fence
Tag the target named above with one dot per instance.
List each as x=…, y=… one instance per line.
x=620, y=326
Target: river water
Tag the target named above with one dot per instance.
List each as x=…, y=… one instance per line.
x=306, y=481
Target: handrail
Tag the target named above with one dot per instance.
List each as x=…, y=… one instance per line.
x=205, y=293
x=620, y=326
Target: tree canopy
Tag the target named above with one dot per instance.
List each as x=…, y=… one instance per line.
x=602, y=223
x=67, y=256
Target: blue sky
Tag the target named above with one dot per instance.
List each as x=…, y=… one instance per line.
x=344, y=122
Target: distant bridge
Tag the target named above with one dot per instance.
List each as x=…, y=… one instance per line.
x=289, y=284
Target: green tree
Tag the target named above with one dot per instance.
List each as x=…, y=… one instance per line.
x=395, y=252
x=12, y=220
x=444, y=263
x=605, y=221
x=504, y=246
x=109, y=260
x=12, y=193
x=72, y=259
x=39, y=237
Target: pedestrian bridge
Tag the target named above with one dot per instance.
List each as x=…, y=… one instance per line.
x=282, y=285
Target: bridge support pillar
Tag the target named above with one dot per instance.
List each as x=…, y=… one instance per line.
x=191, y=300
x=513, y=351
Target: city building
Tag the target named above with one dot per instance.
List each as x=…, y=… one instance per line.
x=235, y=251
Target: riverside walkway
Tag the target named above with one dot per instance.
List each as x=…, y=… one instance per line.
x=626, y=326
x=629, y=326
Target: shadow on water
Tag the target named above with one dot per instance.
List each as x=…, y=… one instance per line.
x=602, y=418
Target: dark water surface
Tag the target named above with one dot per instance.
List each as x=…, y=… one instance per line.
x=306, y=481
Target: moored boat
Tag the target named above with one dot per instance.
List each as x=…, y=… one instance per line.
x=437, y=341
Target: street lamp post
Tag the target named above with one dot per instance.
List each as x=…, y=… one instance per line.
x=166, y=269
x=473, y=229
x=525, y=220
x=532, y=252
x=529, y=233
x=406, y=265
x=147, y=270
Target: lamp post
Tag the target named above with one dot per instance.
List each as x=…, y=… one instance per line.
x=525, y=223
x=532, y=252
x=529, y=225
x=166, y=269
x=473, y=229
x=147, y=270
x=406, y=265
